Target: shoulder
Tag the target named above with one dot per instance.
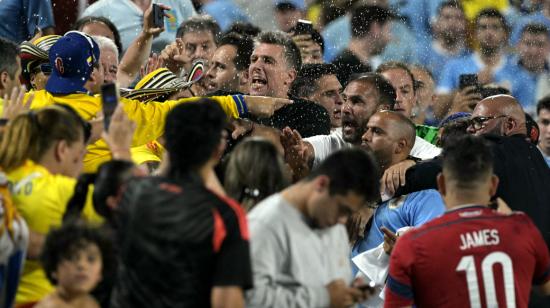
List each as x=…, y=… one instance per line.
x=51, y=301
x=423, y=196
x=98, y=7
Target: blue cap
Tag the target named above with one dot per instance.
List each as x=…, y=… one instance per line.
x=72, y=59
x=454, y=117
x=299, y=4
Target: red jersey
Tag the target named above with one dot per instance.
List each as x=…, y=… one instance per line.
x=469, y=257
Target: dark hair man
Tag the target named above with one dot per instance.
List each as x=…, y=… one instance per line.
x=311, y=44
x=298, y=234
x=193, y=250
x=228, y=70
x=370, y=33
x=543, y=120
x=503, y=253
x=287, y=13
x=318, y=83
x=10, y=67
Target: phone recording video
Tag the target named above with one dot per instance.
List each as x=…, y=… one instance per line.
x=158, y=16
x=109, y=99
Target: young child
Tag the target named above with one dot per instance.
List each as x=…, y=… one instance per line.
x=75, y=258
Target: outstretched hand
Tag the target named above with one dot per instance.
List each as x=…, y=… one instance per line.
x=15, y=104
x=265, y=106
x=297, y=152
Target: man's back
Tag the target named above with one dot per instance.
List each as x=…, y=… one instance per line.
x=177, y=242
x=469, y=257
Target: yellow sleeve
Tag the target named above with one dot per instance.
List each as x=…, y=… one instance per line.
x=150, y=117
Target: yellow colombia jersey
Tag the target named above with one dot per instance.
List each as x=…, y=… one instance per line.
x=149, y=117
x=41, y=198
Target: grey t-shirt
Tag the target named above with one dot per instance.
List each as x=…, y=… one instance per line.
x=291, y=262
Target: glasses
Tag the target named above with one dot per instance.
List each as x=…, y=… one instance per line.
x=44, y=68
x=480, y=122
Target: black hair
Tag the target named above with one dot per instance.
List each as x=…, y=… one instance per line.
x=244, y=45
x=449, y=3
x=244, y=28
x=350, y=170
x=193, y=132
x=534, y=28
x=316, y=37
x=492, y=13
x=364, y=17
x=467, y=161
x=79, y=25
x=386, y=92
x=200, y=23
x=453, y=130
x=9, y=51
x=75, y=205
x=544, y=103
x=291, y=51
x=62, y=243
x=391, y=65
x=306, y=82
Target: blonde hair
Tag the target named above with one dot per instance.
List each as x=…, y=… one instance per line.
x=31, y=134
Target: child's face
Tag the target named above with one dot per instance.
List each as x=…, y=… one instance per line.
x=82, y=271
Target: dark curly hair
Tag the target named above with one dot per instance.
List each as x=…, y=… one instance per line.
x=62, y=243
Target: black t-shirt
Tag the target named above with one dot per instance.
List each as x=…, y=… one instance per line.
x=348, y=64
x=177, y=242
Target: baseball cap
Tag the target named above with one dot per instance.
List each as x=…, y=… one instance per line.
x=298, y=4
x=72, y=59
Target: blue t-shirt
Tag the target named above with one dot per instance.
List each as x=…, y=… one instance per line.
x=19, y=18
x=225, y=12
x=506, y=75
x=537, y=17
x=128, y=18
x=411, y=210
x=402, y=47
x=434, y=58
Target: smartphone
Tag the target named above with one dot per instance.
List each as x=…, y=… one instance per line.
x=304, y=27
x=467, y=80
x=158, y=16
x=109, y=99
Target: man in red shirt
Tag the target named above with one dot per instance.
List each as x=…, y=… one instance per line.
x=471, y=256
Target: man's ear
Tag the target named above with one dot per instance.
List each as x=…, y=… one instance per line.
x=441, y=185
x=60, y=149
x=243, y=77
x=291, y=75
x=401, y=146
x=494, y=185
x=321, y=183
x=4, y=78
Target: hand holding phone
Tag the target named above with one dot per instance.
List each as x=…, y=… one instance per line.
x=158, y=16
x=109, y=99
x=467, y=80
x=304, y=27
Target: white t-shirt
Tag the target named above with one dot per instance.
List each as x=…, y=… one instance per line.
x=324, y=145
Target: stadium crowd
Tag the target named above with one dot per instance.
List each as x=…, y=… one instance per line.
x=365, y=153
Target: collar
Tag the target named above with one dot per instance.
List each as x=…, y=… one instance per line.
x=479, y=62
x=438, y=47
x=466, y=207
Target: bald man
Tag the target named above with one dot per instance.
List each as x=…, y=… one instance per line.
x=499, y=115
x=390, y=136
x=523, y=173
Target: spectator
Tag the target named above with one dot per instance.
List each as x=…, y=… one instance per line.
x=228, y=69
x=370, y=28
x=22, y=20
x=425, y=96
x=225, y=12
x=76, y=257
x=318, y=83
x=108, y=57
x=201, y=237
x=128, y=15
x=100, y=26
x=490, y=63
x=539, y=16
x=10, y=67
x=449, y=38
x=287, y=13
x=311, y=45
x=533, y=52
x=467, y=184
x=391, y=136
x=543, y=120
x=454, y=125
x=14, y=238
x=297, y=232
x=244, y=28
x=248, y=179
x=35, y=63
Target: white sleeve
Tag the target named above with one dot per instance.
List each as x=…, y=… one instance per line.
x=424, y=150
x=324, y=145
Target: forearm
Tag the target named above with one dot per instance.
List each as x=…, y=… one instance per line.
x=136, y=54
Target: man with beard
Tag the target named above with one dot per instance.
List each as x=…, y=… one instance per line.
x=229, y=65
x=370, y=29
x=390, y=136
x=490, y=63
x=449, y=38
x=543, y=115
